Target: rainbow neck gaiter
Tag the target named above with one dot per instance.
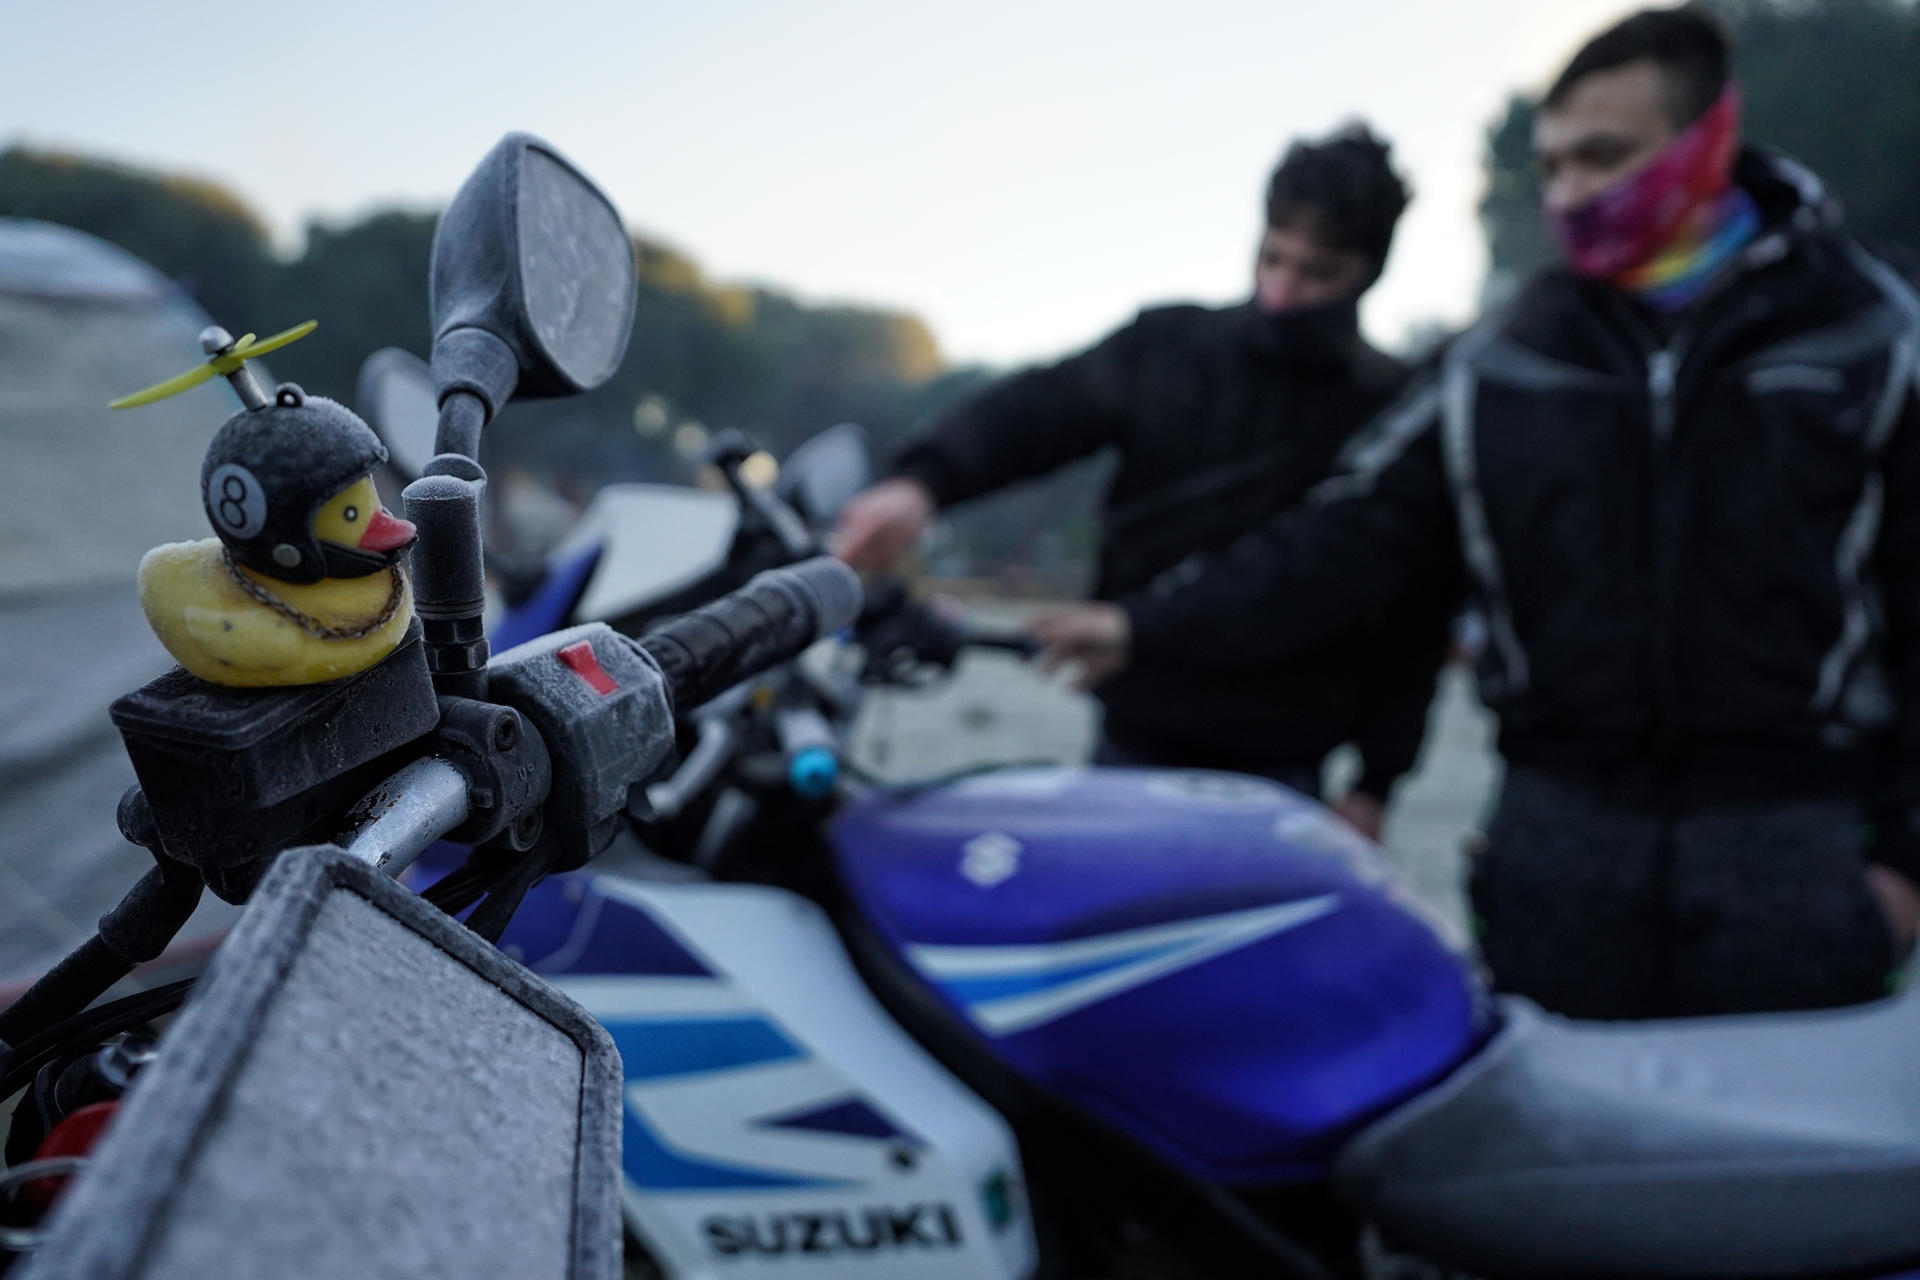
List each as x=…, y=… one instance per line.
x=1675, y=277
x=1664, y=231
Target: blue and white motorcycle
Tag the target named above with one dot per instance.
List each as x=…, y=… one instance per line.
x=1118, y=1022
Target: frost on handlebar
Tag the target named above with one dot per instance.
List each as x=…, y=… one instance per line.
x=601, y=704
x=604, y=703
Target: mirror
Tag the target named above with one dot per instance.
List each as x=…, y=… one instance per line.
x=396, y=397
x=820, y=476
x=577, y=273
x=533, y=280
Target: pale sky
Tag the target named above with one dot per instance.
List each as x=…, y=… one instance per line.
x=1023, y=174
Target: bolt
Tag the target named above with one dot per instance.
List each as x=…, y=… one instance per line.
x=526, y=828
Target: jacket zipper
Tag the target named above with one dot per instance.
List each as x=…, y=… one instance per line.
x=1663, y=374
x=1662, y=382
x=1663, y=370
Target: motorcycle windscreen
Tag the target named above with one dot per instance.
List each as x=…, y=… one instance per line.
x=1213, y=963
x=657, y=538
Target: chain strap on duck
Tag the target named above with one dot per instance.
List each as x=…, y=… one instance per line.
x=307, y=622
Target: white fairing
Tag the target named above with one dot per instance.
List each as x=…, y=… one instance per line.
x=658, y=538
x=850, y=1151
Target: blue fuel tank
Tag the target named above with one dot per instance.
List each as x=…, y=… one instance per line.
x=1212, y=963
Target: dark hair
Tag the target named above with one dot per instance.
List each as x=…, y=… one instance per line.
x=1345, y=187
x=1689, y=46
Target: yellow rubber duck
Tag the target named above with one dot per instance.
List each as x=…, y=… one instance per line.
x=233, y=625
x=305, y=581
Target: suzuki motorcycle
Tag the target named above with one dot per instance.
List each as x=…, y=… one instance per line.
x=1093, y=1021
x=1027, y=1022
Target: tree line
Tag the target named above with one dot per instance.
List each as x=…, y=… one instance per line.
x=703, y=354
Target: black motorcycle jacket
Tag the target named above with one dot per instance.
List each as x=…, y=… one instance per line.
x=1695, y=542
x=1218, y=418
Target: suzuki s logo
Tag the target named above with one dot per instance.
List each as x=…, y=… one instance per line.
x=990, y=859
x=836, y=1231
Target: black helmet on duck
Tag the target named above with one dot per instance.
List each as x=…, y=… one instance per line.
x=271, y=471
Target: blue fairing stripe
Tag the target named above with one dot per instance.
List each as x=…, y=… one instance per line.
x=652, y=1164
x=972, y=991
x=659, y=1047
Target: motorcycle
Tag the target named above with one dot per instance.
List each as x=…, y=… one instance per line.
x=1033, y=1021
x=1141, y=1022
x=338, y=751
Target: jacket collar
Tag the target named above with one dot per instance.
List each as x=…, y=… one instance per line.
x=1793, y=202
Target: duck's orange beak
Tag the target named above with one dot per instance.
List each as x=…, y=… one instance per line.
x=386, y=532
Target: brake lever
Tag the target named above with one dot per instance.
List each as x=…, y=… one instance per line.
x=667, y=799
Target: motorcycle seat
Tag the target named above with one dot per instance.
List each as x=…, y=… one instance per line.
x=1751, y=1146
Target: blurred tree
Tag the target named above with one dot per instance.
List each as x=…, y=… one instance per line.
x=721, y=356
x=1517, y=238
x=1836, y=84
x=1830, y=82
x=200, y=234
x=366, y=283
x=751, y=358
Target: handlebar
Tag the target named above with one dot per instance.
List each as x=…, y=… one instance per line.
x=409, y=811
x=774, y=617
x=604, y=712
x=903, y=636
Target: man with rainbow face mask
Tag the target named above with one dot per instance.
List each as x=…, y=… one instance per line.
x=1679, y=478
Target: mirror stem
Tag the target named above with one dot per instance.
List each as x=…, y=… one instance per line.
x=462, y=415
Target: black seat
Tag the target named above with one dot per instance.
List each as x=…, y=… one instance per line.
x=1769, y=1145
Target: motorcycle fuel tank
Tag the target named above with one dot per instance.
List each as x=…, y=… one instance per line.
x=1216, y=965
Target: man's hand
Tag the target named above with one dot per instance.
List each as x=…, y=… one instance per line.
x=1094, y=638
x=879, y=526
x=1364, y=813
x=1900, y=900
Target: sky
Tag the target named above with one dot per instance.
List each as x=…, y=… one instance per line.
x=1022, y=174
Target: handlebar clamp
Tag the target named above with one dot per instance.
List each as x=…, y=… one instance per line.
x=602, y=706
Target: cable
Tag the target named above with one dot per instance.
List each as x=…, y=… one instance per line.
x=461, y=887
x=489, y=920
x=136, y=930
x=94, y=1024
x=911, y=786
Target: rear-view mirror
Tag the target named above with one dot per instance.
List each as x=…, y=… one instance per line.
x=533, y=281
x=819, y=477
x=396, y=397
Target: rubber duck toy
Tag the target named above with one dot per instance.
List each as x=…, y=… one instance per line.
x=304, y=582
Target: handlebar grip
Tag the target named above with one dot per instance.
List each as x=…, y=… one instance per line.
x=772, y=618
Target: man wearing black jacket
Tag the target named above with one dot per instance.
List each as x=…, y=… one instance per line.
x=1218, y=417
x=1680, y=480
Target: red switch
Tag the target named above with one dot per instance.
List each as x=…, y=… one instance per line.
x=579, y=657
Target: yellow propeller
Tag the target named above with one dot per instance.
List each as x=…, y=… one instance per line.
x=226, y=361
